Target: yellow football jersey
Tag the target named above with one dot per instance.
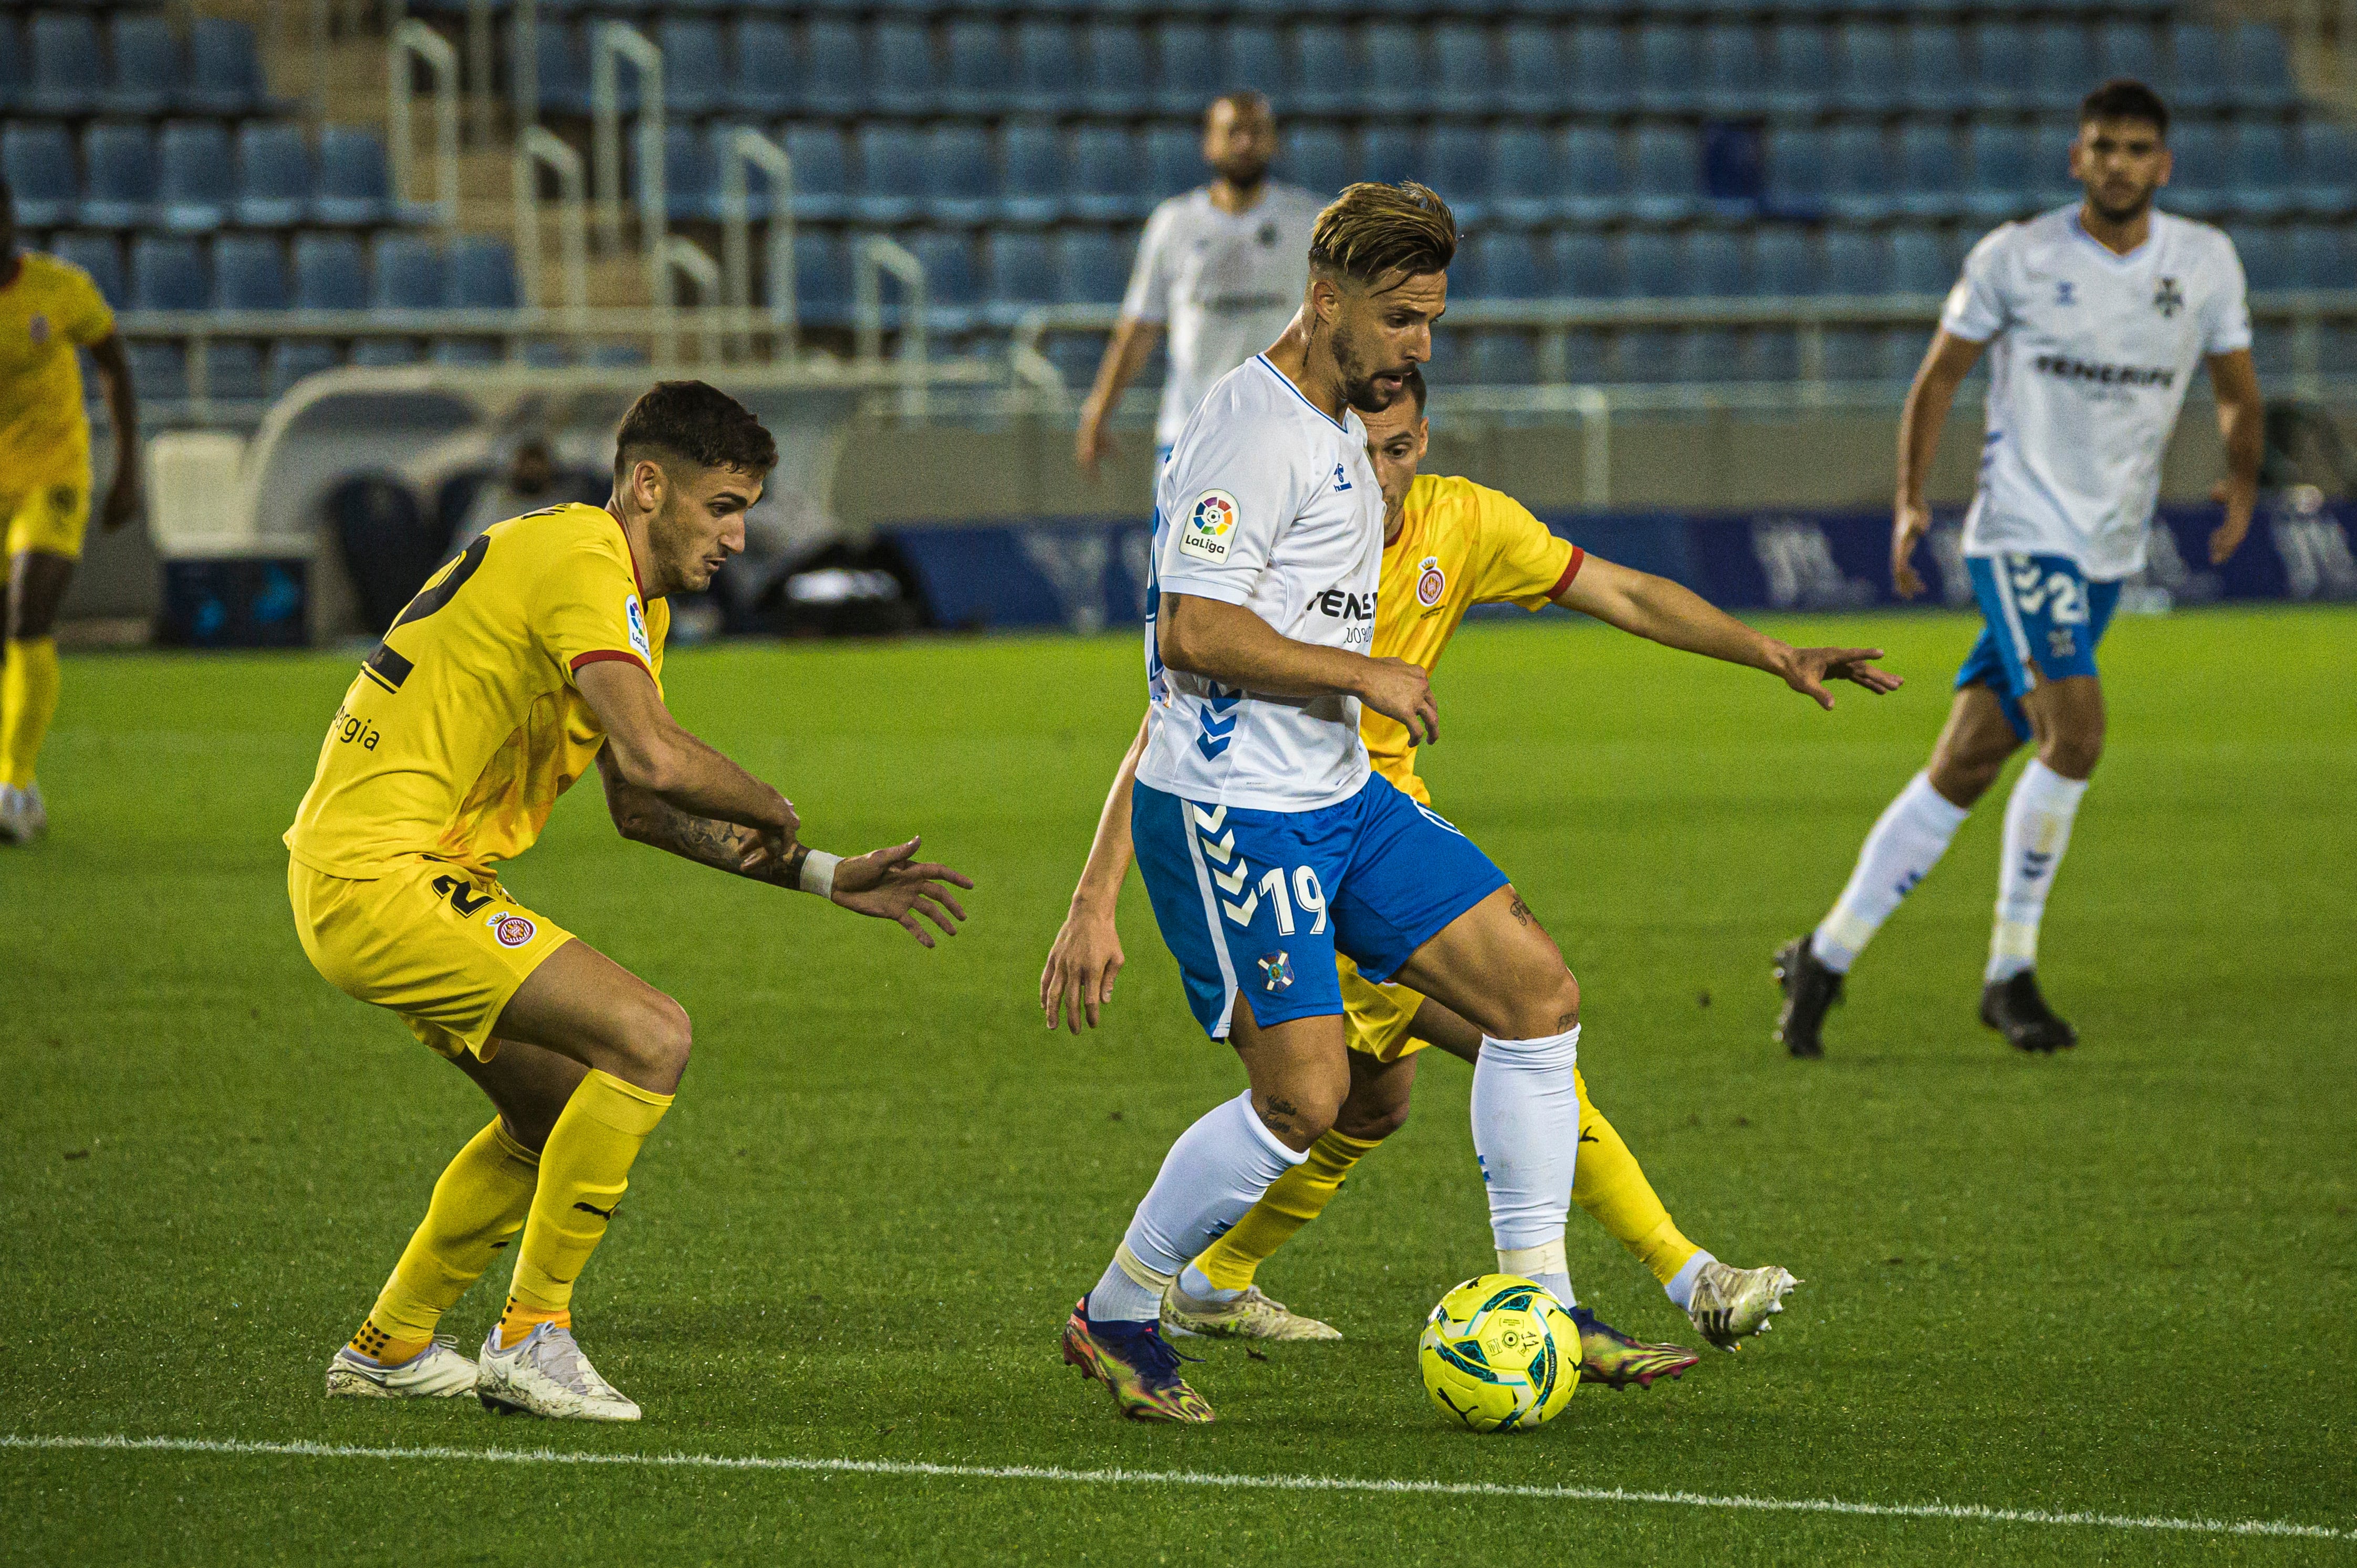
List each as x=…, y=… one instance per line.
x=464, y=727
x=1459, y=545
x=50, y=308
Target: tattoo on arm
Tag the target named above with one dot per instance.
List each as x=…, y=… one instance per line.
x=708, y=842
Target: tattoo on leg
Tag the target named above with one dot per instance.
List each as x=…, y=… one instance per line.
x=1520, y=912
x=1564, y=1021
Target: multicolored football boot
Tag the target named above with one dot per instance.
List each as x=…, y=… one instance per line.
x=1133, y=1361
x=1615, y=1359
x=1730, y=1303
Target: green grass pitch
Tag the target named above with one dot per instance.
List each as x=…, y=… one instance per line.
x=2115, y=1282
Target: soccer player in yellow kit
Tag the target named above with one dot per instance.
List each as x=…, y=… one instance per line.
x=534, y=655
x=48, y=308
x=1450, y=544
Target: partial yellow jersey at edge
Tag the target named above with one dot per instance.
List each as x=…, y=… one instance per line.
x=49, y=309
x=464, y=727
x=1459, y=545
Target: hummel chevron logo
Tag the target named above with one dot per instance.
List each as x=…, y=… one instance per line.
x=1222, y=848
x=1242, y=914
x=1217, y=734
x=1209, y=820
x=2035, y=865
x=1232, y=882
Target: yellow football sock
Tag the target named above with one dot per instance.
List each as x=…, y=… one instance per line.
x=1293, y=1200
x=478, y=1205
x=28, y=701
x=1612, y=1187
x=584, y=1170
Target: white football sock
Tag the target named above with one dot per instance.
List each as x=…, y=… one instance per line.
x=1526, y=1133
x=1679, y=1290
x=1212, y=1174
x=2037, y=830
x=1907, y=841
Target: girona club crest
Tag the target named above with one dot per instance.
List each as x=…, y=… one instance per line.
x=1431, y=582
x=512, y=931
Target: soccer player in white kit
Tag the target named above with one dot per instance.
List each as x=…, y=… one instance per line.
x=2094, y=318
x=1267, y=843
x=1221, y=267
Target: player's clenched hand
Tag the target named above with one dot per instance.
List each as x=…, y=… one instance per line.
x=891, y=885
x=1909, y=520
x=1078, y=978
x=2228, y=536
x=1806, y=671
x=1399, y=690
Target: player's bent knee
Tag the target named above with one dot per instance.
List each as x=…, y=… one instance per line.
x=1370, y=1124
x=656, y=1040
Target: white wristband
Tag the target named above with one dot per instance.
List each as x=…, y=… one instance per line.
x=818, y=873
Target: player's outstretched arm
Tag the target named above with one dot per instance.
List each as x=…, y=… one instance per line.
x=1677, y=617
x=1125, y=354
x=1945, y=365
x=1233, y=646
x=1078, y=977
x=2241, y=422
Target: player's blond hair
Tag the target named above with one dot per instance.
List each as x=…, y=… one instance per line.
x=1370, y=230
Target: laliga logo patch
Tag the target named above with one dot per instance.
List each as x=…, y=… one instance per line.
x=512, y=931
x=1431, y=582
x=637, y=620
x=1205, y=536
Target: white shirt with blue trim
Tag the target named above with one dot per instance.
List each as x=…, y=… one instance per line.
x=1266, y=503
x=2091, y=354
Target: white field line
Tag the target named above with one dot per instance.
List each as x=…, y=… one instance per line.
x=1967, y=1513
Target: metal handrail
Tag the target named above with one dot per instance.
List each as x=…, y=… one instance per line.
x=871, y=259
x=684, y=257
x=609, y=40
x=523, y=30
x=481, y=102
x=747, y=147
x=536, y=145
x=415, y=38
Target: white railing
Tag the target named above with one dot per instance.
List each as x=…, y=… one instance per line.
x=536, y=147
x=609, y=43
x=416, y=38
x=523, y=30
x=738, y=152
x=872, y=257
x=683, y=257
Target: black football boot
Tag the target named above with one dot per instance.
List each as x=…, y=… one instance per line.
x=2015, y=1009
x=1809, y=989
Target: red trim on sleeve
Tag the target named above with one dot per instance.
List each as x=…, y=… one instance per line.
x=1579, y=559
x=596, y=654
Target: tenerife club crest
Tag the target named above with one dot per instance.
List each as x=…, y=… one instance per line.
x=1431, y=582
x=1279, y=970
x=2169, y=299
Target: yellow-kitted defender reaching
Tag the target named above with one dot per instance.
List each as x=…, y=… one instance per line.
x=1450, y=544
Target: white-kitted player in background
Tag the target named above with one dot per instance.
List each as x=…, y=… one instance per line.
x=2094, y=318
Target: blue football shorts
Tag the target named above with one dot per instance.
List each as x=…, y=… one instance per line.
x=2041, y=619
x=1258, y=903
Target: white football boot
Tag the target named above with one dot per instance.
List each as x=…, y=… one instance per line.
x=23, y=818
x=1251, y=1316
x=1729, y=1305
x=544, y=1373
x=437, y=1372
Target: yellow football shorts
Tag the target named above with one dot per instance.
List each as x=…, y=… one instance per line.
x=442, y=946
x=1376, y=1018
x=50, y=518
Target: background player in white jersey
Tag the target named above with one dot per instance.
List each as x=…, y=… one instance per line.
x=1221, y=267
x=2094, y=318
x=1268, y=845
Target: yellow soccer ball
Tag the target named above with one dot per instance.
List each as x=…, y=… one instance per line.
x=1499, y=1354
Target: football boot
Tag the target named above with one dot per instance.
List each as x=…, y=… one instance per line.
x=2015, y=1009
x=1136, y=1364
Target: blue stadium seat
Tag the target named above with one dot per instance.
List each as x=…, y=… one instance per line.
x=198, y=179
x=100, y=257
x=2266, y=256
x=274, y=175
x=891, y=174
x=2201, y=182
x=1092, y=267
x=1931, y=175
x=249, y=273
x=1501, y=358
x=39, y=163
x=1666, y=161
x=12, y=62
x=146, y=78
x=1585, y=264
x=1602, y=78
x=121, y=193
x=1456, y=160
x=1669, y=68
x=1937, y=82
x=2198, y=74
x=292, y=358
x=1021, y=276
x=482, y=275
x=2260, y=168
x=2261, y=68
x=1464, y=67
x=1254, y=59
x=1715, y=264
x=952, y=286
x=406, y=273
x=1047, y=65
x=233, y=371
x=822, y=172
x=1866, y=72
x=1857, y=262
x=1076, y=356
x=1505, y=265
x=1801, y=67
x=1185, y=67
x=834, y=68
x=2129, y=49
x=1388, y=154
x=2062, y=65
x=159, y=371
x=978, y=66
x=1796, y=173
x=1595, y=180
x=1105, y=183
x=1316, y=158
x=961, y=187
x=1735, y=81
x=901, y=67
x=2320, y=256
x=1035, y=176
x=2328, y=169
x=168, y=275
x=1782, y=265
x=695, y=70
x=1397, y=72
x=2002, y=183
x=1656, y=264
x=224, y=71
x=67, y=76
x=1860, y=182
x=1918, y=264
x=355, y=186
x=2002, y=75
x=821, y=279
x=560, y=71
x=465, y=351
x=1325, y=71
x=1535, y=80
x=1526, y=175
x=329, y=274
x=765, y=77
x=374, y=351
x=1113, y=75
